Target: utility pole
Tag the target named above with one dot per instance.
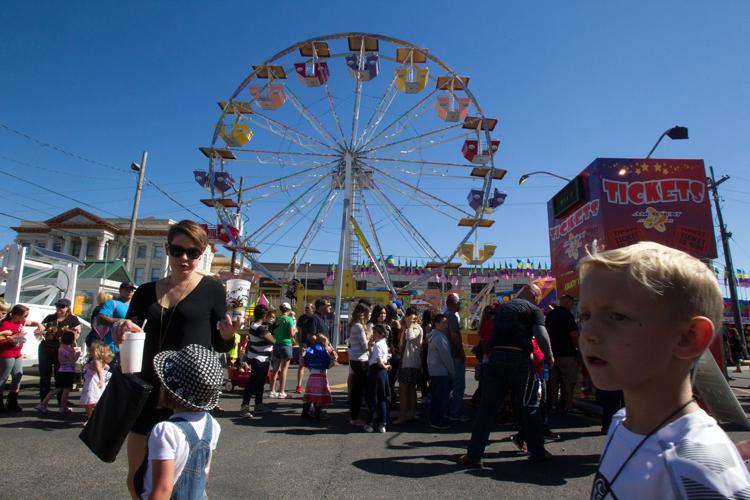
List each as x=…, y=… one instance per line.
x=239, y=207
x=141, y=169
x=728, y=258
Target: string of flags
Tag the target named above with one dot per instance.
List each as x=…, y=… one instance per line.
x=484, y=274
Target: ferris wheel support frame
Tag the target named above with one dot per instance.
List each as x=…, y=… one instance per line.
x=343, y=244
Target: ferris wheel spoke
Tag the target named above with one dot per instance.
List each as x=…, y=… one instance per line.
x=419, y=190
x=421, y=162
x=283, y=210
x=326, y=201
x=420, y=146
x=296, y=213
x=293, y=130
x=416, y=235
x=332, y=105
x=419, y=104
x=379, y=111
x=357, y=100
x=418, y=137
x=279, y=190
x=420, y=201
x=285, y=177
x=311, y=118
x=284, y=153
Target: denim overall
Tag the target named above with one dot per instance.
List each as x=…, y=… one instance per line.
x=191, y=485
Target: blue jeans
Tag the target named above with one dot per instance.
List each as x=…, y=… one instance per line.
x=440, y=388
x=458, y=387
x=508, y=371
x=14, y=367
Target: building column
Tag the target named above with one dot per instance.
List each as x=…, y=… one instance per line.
x=84, y=247
x=50, y=241
x=67, y=243
x=149, y=259
x=100, y=243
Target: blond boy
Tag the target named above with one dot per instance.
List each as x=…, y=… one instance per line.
x=648, y=312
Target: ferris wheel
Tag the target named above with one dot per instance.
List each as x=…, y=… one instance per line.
x=357, y=139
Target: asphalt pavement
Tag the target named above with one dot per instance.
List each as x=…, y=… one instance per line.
x=280, y=455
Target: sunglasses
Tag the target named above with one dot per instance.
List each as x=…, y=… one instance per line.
x=178, y=251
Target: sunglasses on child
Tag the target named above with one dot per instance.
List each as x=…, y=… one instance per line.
x=178, y=251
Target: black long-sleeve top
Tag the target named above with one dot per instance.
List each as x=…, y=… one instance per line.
x=192, y=321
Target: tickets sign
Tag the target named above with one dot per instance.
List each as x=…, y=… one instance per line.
x=625, y=201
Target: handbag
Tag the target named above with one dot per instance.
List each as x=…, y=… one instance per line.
x=114, y=415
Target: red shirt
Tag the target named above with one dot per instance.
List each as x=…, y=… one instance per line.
x=11, y=349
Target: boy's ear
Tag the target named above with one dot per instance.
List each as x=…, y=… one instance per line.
x=695, y=337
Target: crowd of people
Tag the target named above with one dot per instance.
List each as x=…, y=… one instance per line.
x=646, y=313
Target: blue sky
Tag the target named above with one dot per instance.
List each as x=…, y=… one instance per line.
x=569, y=81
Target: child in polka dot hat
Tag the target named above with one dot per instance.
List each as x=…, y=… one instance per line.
x=179, y=449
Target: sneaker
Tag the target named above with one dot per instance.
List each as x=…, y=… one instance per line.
x=440, y=427
x=245, y=411
x=41, y=408
x=273, y=394
x=259, y=408
x=465, y=461
x=460, y=418
x=298, y=390
x=66, y=409
x=381, y=429
x=282, y=395
x=307, y=415
x=368, y=428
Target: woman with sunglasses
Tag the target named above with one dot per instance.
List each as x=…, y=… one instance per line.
x=54, y=324
x=182, y=309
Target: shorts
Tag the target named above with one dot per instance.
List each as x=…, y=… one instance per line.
x=282, y=352
x=64, y=380
x=410, y=376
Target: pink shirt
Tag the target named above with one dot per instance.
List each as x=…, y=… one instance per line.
x=67, y=355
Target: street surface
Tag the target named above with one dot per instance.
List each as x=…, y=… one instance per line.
x=279, y=455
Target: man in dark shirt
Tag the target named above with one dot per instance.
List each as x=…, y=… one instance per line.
x=563, y=335
x=305, y=327
x=510, y=368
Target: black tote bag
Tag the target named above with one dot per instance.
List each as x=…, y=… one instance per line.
x=114, y=415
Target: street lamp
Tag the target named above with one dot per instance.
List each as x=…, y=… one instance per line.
x=141, y=169
x=675, y=133
x=525, y=177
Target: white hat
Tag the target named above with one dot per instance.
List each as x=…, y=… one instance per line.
x=285, y=306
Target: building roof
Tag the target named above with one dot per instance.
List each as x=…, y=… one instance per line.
x=114, y=270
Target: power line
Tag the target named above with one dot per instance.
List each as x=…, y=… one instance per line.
x=48, y=145
x=59, y=194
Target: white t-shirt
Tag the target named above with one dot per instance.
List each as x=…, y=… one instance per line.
x=379, y=351
x=167, y=442
x=691, y=457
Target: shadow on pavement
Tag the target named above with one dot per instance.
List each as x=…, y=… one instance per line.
x=552, y=473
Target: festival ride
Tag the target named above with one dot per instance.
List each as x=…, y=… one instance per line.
x=385, y=145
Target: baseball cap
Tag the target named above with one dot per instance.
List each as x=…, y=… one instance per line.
x=285, y=306
x=63, y=303
x=127, y=284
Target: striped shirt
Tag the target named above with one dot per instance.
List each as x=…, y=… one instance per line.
x=257, y=346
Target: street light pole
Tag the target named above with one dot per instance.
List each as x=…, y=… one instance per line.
x=141, y=169
x=232, y=265
x=525, y=177
x=713, y=184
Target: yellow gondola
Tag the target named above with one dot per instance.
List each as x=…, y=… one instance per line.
x=410, y=78
x=236, y=135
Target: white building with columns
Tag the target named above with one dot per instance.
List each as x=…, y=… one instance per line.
x=94, y=239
